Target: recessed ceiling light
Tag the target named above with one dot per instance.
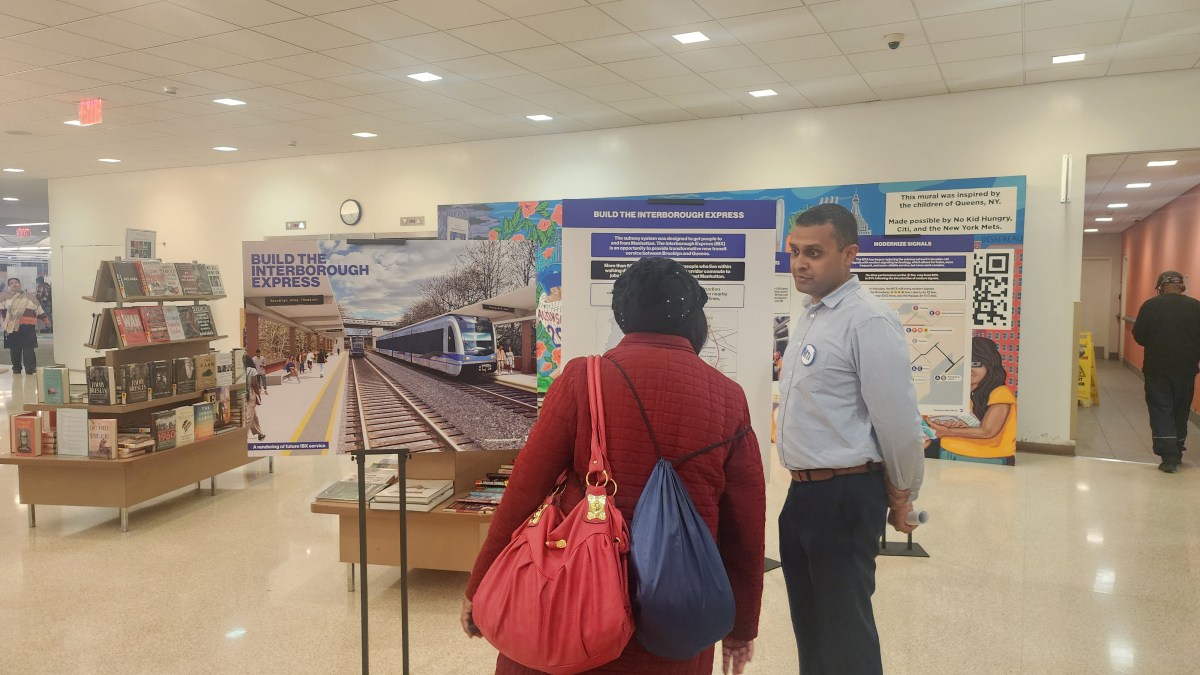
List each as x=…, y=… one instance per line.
x=224, y=148
x=228, y=101
x=12, y=199
x=1118, y=205
x=109, y=160
x=689, y=38
x=25, y=224
x=1137, y=185
x=364, y=134
x=763, y=92
x=539, y=118
x=425, y=77
x=1104, y=219
x=74, y=123
x=1163, y=162
x=1068, y=58
x=15, y=170
x=1091, y=229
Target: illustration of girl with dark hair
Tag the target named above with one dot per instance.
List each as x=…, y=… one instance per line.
x=994, y=441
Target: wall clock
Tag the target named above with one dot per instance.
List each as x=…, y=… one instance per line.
x=351, y=212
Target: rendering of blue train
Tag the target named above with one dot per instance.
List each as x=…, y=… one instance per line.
x=454, y=344
x=357, y=346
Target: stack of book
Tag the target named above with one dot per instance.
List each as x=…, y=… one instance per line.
x=237, y=409
x=487, y=493
x=154, y=324
x=419, y=495
x=134, y=444
x=49, y=440
x=142, y=278
x=140, y=382
x=346, y=490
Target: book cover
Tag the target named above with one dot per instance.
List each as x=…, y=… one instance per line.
x=154, y=280
x=239, y=365
x=162, y=379
x=94, y=334
x=347, y=491
x=174, y=325
x=963, y=419
x=53, y=386
x=72, y=426
x=101, y=385
x=187, y=278
x=26, y=434
x=187, y=317
x=163, y=423
x=204, y=321
x=185, y=375
x=102, y=438
x=222, y=413
x=205, y=420
x=155, y=322
x=206, y=371
x=130, y=328
x=214, y=280
x=185, y=425
x=129, y=282
x=171, y=280
x=203, y=287
x=137, y=382
x=459, y=506
x=224, y=362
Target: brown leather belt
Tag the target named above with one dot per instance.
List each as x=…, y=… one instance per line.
x=813, y=475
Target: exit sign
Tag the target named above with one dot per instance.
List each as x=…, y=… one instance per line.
x=22, y=231
x=91, y=111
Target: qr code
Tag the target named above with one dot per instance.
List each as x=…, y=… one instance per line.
x=992, y=294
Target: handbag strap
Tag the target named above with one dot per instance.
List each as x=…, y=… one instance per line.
x=650, y=429
x=598, y=458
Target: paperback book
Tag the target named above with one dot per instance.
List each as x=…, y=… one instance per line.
x=224, y=361
x=26, y=434
x=203, y=287
x=102, y=438
x=187, y=317
x=214, y=280
x=153, y=279
x=101, y=385
x=130, y=328
x=162, y=377
x=187, y=278
x=206, y=371
x=155, y=322
x=174, y=325
x=185, y=375
x=185, y=426
x=53, y=386
x=163, y=423
x=129, y=282
x=204, y=418
x=171, y=284
x=204, y=321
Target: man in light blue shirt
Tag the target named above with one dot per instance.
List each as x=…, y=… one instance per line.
x=849, y=432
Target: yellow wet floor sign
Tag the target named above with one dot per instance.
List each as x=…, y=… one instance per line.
x=1086, y=390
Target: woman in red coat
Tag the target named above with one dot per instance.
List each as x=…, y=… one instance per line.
x=690, y=404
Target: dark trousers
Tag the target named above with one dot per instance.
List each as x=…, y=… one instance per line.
x=828, y=538
x=1169, y=398
x=21, y=346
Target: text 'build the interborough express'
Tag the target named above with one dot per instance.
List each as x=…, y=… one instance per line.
x=297, y=270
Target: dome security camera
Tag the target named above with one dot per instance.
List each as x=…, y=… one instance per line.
x=894, y=40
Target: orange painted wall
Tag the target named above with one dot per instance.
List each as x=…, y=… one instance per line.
x=1167, y=240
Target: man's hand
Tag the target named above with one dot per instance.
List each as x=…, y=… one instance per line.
x=735, y=654
x=897, y=516
x=468, y=621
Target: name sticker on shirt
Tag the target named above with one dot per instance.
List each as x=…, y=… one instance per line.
x=808, y=355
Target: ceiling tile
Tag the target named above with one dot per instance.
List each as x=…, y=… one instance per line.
x=56, y=78
x=251, y=44
x=219, y=82
x=978, y=48
x=641, y=15
x=1099, y=54
x=872, y=39
x=1072, y=72
x=931, y=8
x=147, y=63
x=572, y=25
x=15, y=89
x=100, y=71
x=832, y=91
x=501, y=36
x=524, y=84
x=61, y=41
x=720, y=58
x=372, y=56
x=367, y=103
x=315, y=65
x=1154, y=65
x=483, y=67
x=314, y=7
x=721, y=9
x=973, y=24
x=647, y=69
x=1162, y=25
x=263, y=73
x=888, y=59
x=469, y=90
x=814, y=69
x=902, y=76
x=773, y=25
x=183, y=90
x=433, y=47
x=1177, y=45
x=741, y=78
x=847, y=14
x=587, y=76
x=174, y=20
x=563, y=100
x=282, y=114
x=1055, y=13
x=1004, y=71
x=523, y=8
x=727, y=108
x=319, y=89
x=246, y=13
x=794, y=49
x=1070, y=38
x=505, y=104
x=718, y=36
x=34, y=56
x=616, y=48
x=11, y=25
x=321, y=109
x=376, y=22
x=369, y=83
x=311, y=34
x=911, y=90
x=553, y=57
x=118, y=32
x=615, y=92
x=447, y=14
x=679, y=84
x=8, y=67
x=418, y=98
x=197, y=54
x=45, y=12
x=672, y=114
x=1148, y=7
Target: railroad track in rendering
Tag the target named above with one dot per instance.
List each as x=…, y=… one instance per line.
x=381, y=414
x=520, y=401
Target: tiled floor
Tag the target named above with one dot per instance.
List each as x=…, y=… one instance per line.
x=1119, y=428
x=1058, y=565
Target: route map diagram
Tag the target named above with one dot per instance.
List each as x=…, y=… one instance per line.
x=939, y=347
x=720, y=351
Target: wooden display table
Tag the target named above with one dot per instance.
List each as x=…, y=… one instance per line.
x=436, y=540
x=123, y=483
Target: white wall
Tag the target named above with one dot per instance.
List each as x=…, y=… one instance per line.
x=1108, y=246
x=202, y=213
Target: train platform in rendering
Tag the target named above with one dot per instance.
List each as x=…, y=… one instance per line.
x=301, y=418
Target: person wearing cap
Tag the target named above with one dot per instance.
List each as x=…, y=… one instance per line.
x=850, y=433
x=690, y=405
x=1168, y=327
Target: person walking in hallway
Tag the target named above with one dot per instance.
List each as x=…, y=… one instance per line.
x=253, y=396
x=1168, y=326
x=850, y=433
x=21, y=311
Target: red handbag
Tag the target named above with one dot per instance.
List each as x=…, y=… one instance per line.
x=556, y=599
